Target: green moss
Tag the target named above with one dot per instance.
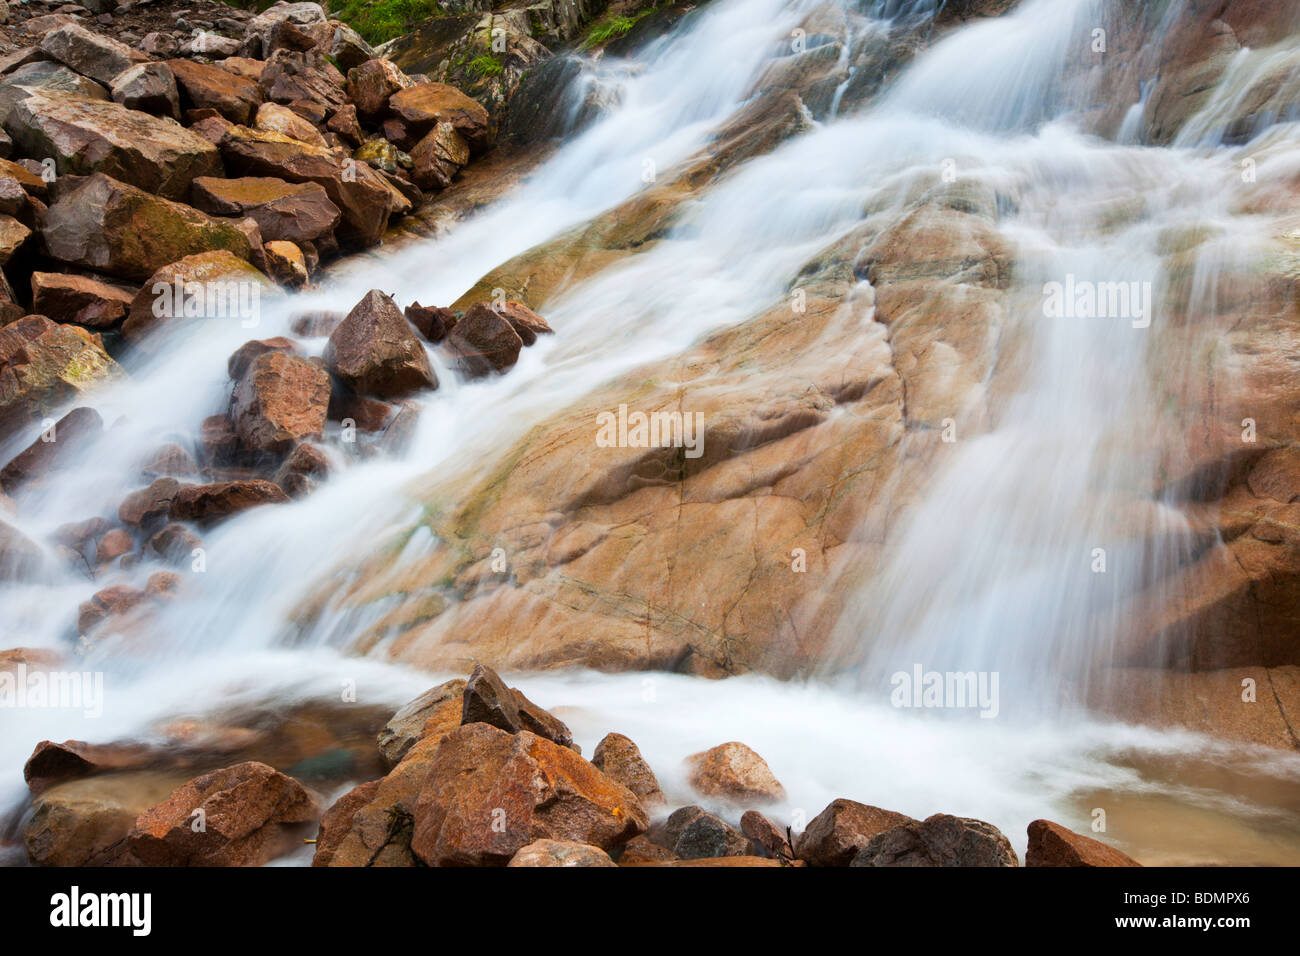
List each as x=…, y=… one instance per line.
x=379, y=21
x=613, y=26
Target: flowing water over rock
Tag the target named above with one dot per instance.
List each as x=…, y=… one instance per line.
x=915, y=453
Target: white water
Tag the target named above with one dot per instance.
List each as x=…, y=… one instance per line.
x=990, y=574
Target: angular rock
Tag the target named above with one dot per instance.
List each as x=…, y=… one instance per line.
x=86, y=136
x=372, y=83
x=438, y=156
x=427, y=104
x=54, y=449
x=483, y=342
x=375, y=351
x=43, y=367
x=148, y=506
x=693, y=833
x=431, y=321
x=90, y=54
x=251, y=814
x=940, y=840
x=280, y=400
x=149, y=87
x=618, y=758
x=560, y=853
x=766, y=835
x=297, y=212
x=526, y=323
x=358, y=191
x=1051, y=844
x=438, y=707
x=285, y=264
x=835, y=835
x=13, y=236
x=107, y=225
x=204, y=86
x=530, y=788
x=216, y=286
x=289, y=76
x=302, y=469
x=243, y=356
x=78, y=299
x=734, y=773
x=282, y=120
x=208, y=504
x=488, y=700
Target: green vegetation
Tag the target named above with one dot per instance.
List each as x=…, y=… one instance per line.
x=485, y=66
x=612, y=26
x=381, y=20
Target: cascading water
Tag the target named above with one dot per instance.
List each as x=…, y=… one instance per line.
x=990, y=572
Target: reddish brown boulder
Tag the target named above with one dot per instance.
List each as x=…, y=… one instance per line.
x=426, y=104
x=281, y=400
x=483, y=342
x=1051, y=844
x=218, y=440
x=438, y=156
x=44, y=367
x=488, y=700
x=51, y=763
x=175, y=543
x=302, y=469
x=208, y=504
x=113, y=545
x=439, y=708
x=733, y=772
x=286, y=264
x=243, y=356
x=77, y=299
x=376, y=352
x=245, y=815
x=527, y=323
x=54, y=449
x=370, y=85
x=618, y=758
x=205, y=86
x=170, y=459
x=212, y=286
x=90, y=54
x=336, y=822
x=297, y=212
x=150, y=88
x=109, y=602
x=489, y=793
x=836, y=834
x=766, y=835
x=148, y=506
x=432, y=322
x=560, y=853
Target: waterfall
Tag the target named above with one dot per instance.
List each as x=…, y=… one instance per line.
x=1052, y=471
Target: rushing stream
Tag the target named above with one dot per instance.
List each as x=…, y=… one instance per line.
x=990, y=572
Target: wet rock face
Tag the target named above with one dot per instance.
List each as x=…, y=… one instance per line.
x=941, y=840
x=1051, y=844
x=280, y=400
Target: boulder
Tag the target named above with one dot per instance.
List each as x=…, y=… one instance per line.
x=79, y=299
x=336, y=823
x=488, y=700
x=439, y=707
x=43, y=367
x=296, y=212
x=280, y=400
x=90, y=54
x=483, y=342
x=693, y=833
x=1051, y=844
x=560, y=853
x=148, y=87
x=734, y=773
x=765, y=835
x=149, y=506
x=82, y=822
x=835, y=835
x=375, y=351
x=290, y=76
x=438, y=156
x=283, y=120
x=250, y=814
x=52, y=763
x=106, y=225
x=86, y=136
x=526, y=323
x=208, y=504
x=243, y=356
x=358, y=191
x=618, y=758
x=170, y=459
x=218, y=285
x=488, y=794
x=54, y=449
x=431, y=321
x=204, y=86
x=348, y=49
x=426, y=104
x=285, y=264
x=940, y=840
x=301, y=470
x=13, y=236
x=372, y=83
